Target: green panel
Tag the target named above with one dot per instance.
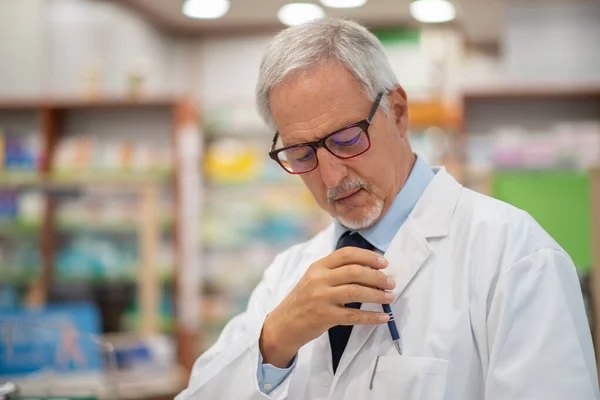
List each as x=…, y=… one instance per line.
x=395, y=36
x=559, y=202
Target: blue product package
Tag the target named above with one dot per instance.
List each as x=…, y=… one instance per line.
x=12, y=205
x=11, y=154
x=57, y=338
x=3, y=207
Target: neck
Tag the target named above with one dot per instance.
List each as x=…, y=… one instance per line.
x=405, y=172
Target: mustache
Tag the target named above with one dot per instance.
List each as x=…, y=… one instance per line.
x=346, y=186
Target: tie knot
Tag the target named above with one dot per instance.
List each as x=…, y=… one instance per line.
x=354, y=239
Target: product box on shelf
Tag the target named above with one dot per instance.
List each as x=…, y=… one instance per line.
x=55, y=338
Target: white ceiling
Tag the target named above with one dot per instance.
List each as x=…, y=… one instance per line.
x=480, y=20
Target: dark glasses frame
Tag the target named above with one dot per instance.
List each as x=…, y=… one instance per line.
x=364, y=125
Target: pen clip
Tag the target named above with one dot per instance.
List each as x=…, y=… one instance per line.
x=373, y=374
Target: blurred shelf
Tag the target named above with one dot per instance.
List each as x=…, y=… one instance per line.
x=255, y=135
x=257, y=185
x=132, y=321
x=92, y=180
x=245, y=247
x=20, y=228
x=83, y=103
x=532, y=92
x=109, y=178
x=24, y=279
x=9, y=178
x=93, y=281
x=144, y=384
x=120, y=228
x=121, y=280
x=16, y=279
x=19, y=105
x=113, y=102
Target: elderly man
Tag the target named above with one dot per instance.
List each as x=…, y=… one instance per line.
x=485, y=303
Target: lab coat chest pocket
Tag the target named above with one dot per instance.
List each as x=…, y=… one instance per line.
x=409, y=378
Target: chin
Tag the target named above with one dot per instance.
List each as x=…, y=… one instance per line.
x=366, y=219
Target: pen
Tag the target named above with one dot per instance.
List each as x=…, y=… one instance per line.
x=392, y=327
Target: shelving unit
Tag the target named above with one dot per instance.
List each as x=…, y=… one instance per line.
x=56, y=119
x=535, y=108
x=534, y=92
x=527, y=106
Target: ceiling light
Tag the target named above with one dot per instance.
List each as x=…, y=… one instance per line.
x=205, y=9
x=432, y=11
x=343, y=3
x=299, y=13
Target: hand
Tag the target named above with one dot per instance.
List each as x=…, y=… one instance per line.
x=317, y=302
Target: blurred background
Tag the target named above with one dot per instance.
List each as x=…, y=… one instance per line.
x=138, y=205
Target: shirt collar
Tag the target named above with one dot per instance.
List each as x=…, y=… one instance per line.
x=381, y=234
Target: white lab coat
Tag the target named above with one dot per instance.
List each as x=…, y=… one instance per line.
x=488, y=306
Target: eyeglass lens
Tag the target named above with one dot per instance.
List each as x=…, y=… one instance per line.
x=344, y=144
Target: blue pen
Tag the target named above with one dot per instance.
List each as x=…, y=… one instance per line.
x=392, y=327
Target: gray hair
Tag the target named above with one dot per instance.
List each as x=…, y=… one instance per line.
x=317, y=42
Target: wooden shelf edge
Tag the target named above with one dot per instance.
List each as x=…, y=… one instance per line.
x=532, y=92
x=132, y=182
x=83, y=103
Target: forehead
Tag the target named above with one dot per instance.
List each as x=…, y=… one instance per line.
x=317, y=102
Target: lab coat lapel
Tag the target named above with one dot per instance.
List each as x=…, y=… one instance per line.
x=431, y=218
x=410, y=249
x=321, y=245
x=407, y=253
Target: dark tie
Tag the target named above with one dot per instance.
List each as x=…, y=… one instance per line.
x=339, y=335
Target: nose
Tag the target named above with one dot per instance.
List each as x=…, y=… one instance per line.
x=331, y=168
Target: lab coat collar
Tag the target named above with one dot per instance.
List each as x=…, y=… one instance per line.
x=434, y=210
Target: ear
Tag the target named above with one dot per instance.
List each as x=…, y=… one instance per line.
x=399, y=108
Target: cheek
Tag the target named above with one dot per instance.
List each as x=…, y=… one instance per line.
x=313, y=182
x=370, y=168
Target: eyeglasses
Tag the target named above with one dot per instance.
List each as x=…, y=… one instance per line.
x=345, y=143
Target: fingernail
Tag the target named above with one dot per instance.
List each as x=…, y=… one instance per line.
x=382, y=261
x=389, y=296
x=391, y=283
x=384, y=318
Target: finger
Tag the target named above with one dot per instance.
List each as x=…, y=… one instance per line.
x=351, y=316
x=354, y=293
x=355, y=273
x=354, y=255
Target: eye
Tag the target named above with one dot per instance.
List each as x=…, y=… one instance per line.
x=347, y=142
x=307, y=156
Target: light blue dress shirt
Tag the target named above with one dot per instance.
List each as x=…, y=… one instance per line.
x=379, y=235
